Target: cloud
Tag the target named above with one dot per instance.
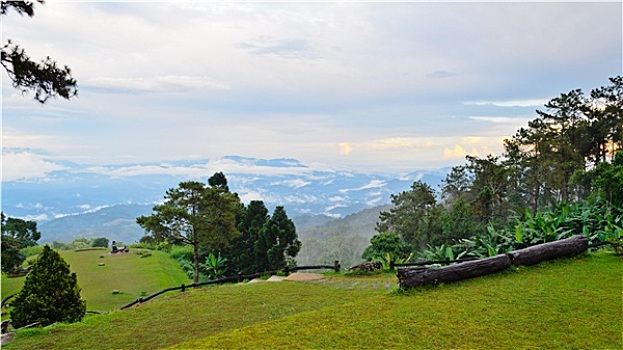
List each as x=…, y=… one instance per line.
x=441, y=74
x=458, y=152
x=295, y=183
x=510, y=103
x=502, y=120
x=285, y=48
x=371, y=184
x=26, y=166
x=204, y=169
x=157, y=84
x=291, y=79
x=393, y=142
x=345, y=148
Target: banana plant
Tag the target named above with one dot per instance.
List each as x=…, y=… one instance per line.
x=215, y=266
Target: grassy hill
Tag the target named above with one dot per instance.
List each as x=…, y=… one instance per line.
x=566, y=304
x=129, y=273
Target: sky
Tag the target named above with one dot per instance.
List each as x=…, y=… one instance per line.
x=368, y=86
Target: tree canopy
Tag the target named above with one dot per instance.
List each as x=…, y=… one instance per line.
x=16, y=234
x=45, y=78
x=196, y=215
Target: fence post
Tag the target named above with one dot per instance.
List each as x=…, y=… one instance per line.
x=183, y=288
x=287, y=271
x=336, y=266
x=391, y=265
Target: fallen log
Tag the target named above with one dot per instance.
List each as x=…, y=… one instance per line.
x=563, y=248
x=422, y=276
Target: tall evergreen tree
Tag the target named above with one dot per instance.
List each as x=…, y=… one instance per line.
x=413, y=216
x=278, y=236
x=244, y=257
x=50, y=293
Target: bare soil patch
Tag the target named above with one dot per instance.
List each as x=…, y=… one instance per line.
x=304, y=276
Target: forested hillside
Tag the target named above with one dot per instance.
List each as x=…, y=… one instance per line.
x=342, y=239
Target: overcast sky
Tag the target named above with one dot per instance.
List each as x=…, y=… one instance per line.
x=370, y=86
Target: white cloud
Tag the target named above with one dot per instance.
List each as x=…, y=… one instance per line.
x=269, y=80
x=337, y=199
x=26, y=166
x=502, y=120
x=178, y=84
x=345, y=148
x=295, y=183
x=510, y=103
x=371, y=184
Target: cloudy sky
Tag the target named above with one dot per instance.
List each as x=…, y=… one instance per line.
x=372, y=86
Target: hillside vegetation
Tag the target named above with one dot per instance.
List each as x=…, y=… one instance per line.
x=343, y=239
x=566, y=304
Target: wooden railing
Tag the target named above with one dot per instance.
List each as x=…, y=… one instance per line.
x=236, y=278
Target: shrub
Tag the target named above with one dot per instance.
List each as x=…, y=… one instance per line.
x=100, y=242
x=50, y=293
x=182, y=253
x=32, y=251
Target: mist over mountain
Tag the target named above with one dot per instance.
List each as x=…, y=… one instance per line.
x=70, y=202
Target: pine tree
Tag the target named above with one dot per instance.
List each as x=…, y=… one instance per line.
x=50, y=293
x=278, y=236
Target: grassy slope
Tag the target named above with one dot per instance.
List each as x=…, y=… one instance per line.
x=566, y=304
x=128, y=273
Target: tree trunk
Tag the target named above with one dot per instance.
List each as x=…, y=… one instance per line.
x=422, y=276
x=553, y=250
x=196, y=262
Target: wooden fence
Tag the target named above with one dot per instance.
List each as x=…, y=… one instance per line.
x=237, y=278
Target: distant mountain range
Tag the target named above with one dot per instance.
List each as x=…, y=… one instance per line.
x=87, y=200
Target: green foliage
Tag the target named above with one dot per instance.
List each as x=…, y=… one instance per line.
x=16, y=235
x=23, y=231
x=181, y=252
x=596, y=220
x=195, y=215
x=278, y=240
x=100, y=242
x=617, y=244
x=215, y=266
x=61, y=245
x=387, y=247
x=46, y=79
x=11, y=256
x=50, y=293
x=32, y=251
x=414, y=216
x=245, y=254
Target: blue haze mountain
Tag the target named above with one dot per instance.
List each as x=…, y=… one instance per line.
x=94, y=201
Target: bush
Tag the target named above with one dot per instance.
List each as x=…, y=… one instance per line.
x=61, y=246
x=100, y=242
x=50, y=293
x=182, y=252
x=32, y=251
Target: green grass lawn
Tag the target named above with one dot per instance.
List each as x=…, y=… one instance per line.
x=566, y=304
x=129, y=273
